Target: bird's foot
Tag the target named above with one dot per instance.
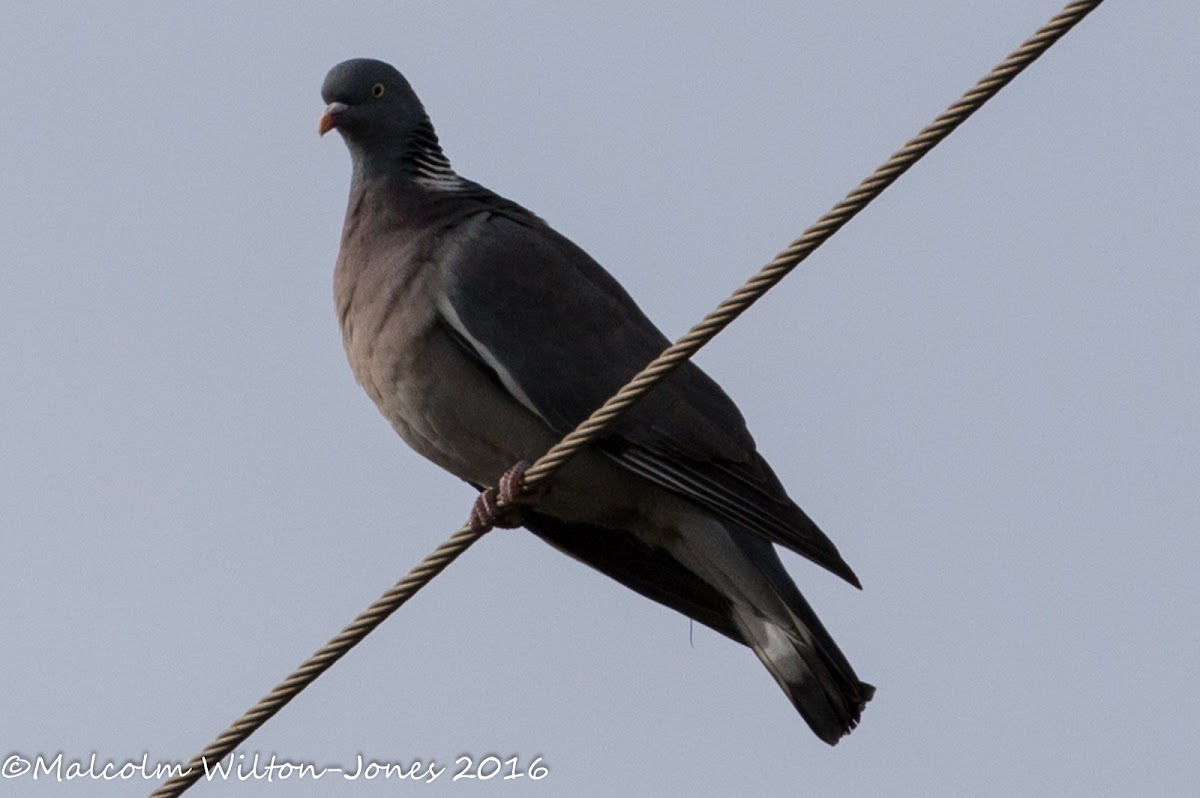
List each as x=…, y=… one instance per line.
x=502, y=506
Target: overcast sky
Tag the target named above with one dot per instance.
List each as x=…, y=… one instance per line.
x=986, y=389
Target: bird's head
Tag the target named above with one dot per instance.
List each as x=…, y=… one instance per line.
x=375, y=109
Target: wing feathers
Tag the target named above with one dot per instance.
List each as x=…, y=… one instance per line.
x=561, y=336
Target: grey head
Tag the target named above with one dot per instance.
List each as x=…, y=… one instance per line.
x=382, y=121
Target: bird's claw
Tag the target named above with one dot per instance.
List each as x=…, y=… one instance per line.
x=502, y=506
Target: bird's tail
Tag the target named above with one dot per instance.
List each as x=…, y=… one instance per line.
x=794, y=646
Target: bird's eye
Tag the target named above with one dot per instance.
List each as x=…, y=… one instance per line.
x=377, y=90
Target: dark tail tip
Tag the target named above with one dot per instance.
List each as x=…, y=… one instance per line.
x=831, y=727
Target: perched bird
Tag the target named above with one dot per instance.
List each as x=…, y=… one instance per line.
x=484, y=336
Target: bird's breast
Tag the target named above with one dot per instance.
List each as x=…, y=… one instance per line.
x=439, y=399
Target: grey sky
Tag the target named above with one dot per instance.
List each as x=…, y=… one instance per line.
x=986, y=389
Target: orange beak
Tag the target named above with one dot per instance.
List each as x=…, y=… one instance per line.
x=329, y=119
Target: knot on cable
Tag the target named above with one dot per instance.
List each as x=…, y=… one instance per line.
x=504, y=505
